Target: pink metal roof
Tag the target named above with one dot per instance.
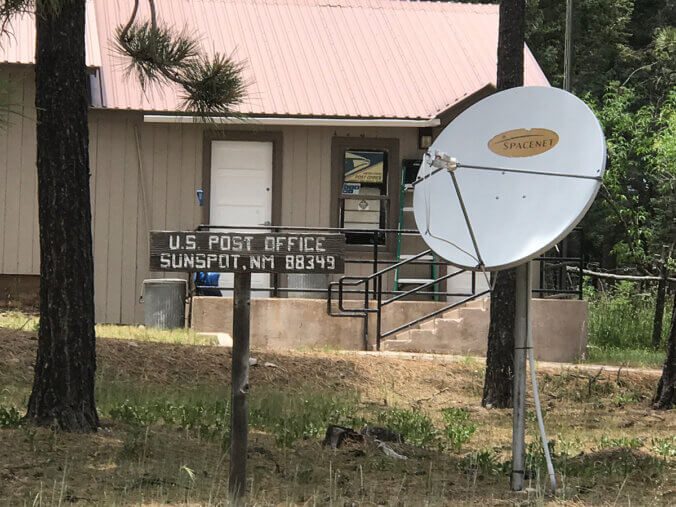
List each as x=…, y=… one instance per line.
x=330, y=58
x=342, y=58
x=18, y=45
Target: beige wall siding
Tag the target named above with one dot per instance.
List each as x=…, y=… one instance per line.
x=130, y=196
x=19, y=249
x=307, y=189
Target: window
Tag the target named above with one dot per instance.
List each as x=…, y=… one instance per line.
x=364, y=194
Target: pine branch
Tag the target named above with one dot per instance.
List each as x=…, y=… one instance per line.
x=161, y=54
x=9, y=9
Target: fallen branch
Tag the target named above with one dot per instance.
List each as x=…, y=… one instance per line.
x=612, y=276
x=592, y=381
x=419, y=401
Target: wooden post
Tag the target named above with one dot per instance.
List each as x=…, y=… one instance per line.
x=521, y=342
x=240, y=385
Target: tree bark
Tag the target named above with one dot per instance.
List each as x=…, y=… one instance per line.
x=499, y=357
x=665, y=397
x=659, y=307
x=63, y=388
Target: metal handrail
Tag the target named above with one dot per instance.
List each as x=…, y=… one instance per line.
x=417, y=289
x=377, y=278
x=372, y=284
x=434, y=313
x=353, y=281
x=387, y=269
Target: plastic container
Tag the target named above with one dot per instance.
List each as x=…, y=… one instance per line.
x=205, y=280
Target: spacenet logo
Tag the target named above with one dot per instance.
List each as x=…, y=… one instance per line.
x=523, y=142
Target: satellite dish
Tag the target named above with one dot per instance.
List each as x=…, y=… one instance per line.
x=509, y=178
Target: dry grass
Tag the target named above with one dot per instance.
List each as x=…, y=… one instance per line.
x=29, y=322
x=610, y=445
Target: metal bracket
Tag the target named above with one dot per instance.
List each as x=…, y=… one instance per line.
x=442, y=160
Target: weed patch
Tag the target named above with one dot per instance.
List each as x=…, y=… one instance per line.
x=293, y=416
x=10, y=417
x=458, y=428
x=620, y=443
x=665, y=447
x=415, y=426
x=485, y=461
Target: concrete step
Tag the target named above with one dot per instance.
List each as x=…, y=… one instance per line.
x=417, y=341
x=463, y=330
x=448, y=328
x=481, y=305
x=431, y=325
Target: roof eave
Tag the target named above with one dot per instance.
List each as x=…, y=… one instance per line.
x=294, y=121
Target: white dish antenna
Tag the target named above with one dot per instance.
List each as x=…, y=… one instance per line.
x=509, y=178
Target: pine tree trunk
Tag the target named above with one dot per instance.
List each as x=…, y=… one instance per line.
x=665, y=398
x=500, y=352
x=63, y=388
x=499, y=356
x=659, y=308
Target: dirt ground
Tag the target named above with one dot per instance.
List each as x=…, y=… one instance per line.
x=584, y=407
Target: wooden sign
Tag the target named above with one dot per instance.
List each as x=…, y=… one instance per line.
x=243, y=252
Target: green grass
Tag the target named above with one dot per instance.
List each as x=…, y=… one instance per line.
x=636, y=358
x=165, y=441
x=28, y=322
x=145, y=420
x=620, y=327
x=289, y=415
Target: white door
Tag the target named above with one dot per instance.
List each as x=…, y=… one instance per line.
x=241, y=192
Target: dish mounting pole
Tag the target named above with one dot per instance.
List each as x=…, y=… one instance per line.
x=522, y=341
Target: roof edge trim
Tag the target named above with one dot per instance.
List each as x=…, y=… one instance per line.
x=294, y=121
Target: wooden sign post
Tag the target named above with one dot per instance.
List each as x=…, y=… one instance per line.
x=244, y=253
x=239, y=422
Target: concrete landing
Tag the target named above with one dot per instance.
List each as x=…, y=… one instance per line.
x=559, y=331
x=559, y=326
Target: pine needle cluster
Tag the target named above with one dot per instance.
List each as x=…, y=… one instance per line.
x=160, y=54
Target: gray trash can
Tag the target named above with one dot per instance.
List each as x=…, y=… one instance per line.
x=164, y=302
